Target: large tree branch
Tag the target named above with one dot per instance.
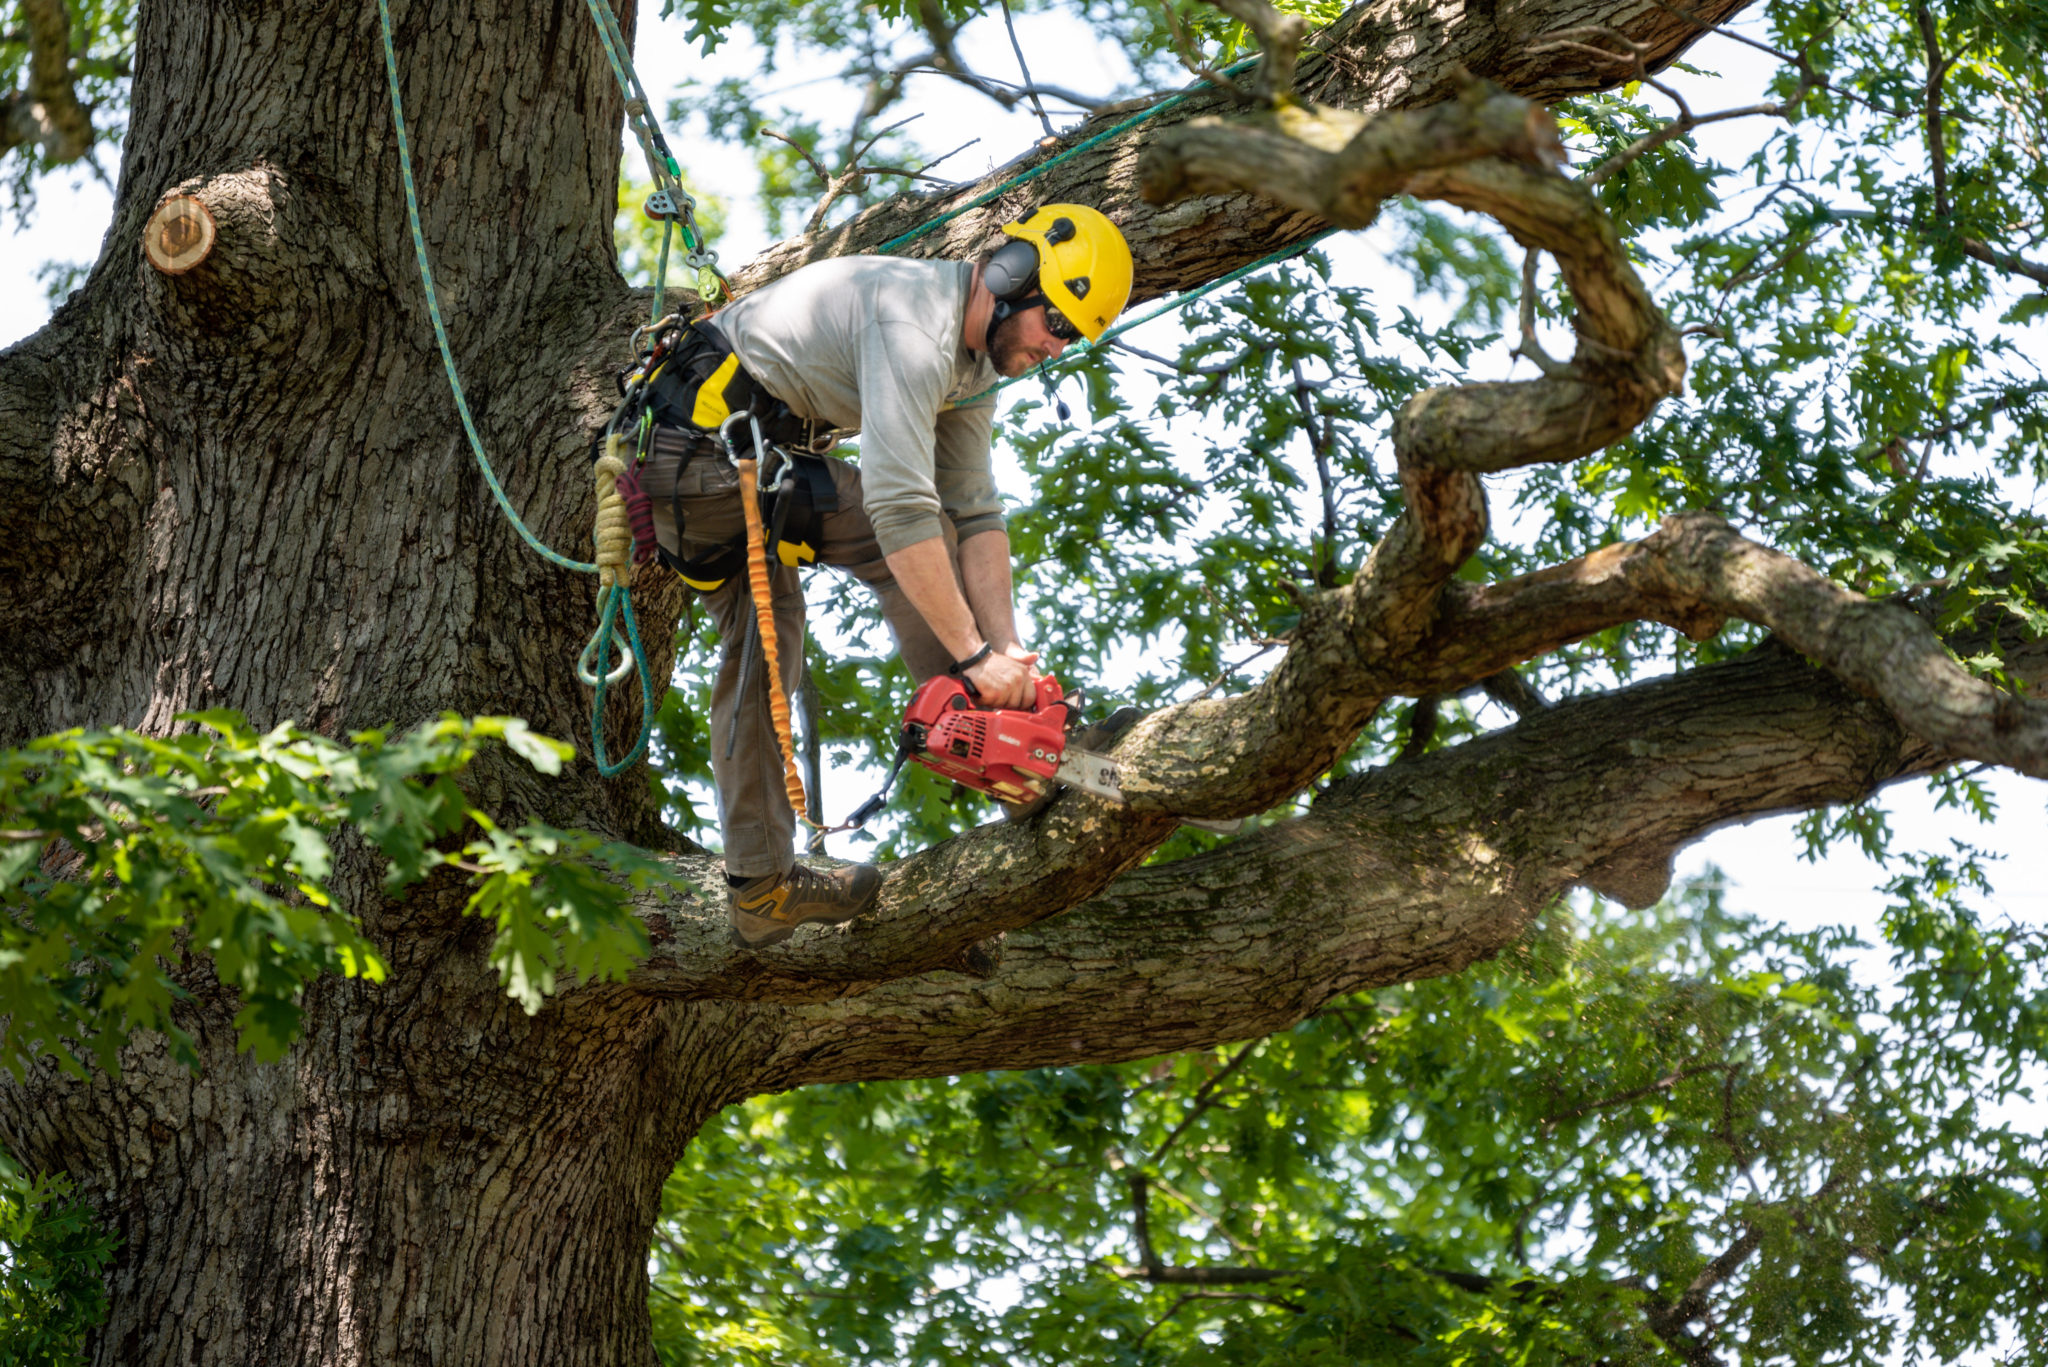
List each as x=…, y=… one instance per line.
x=1379, y=55
x=1693, y=573
x=1396, y=874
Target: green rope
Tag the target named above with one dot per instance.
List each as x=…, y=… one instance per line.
x=617, y=600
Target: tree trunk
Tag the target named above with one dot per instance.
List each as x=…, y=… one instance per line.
x=245, y=486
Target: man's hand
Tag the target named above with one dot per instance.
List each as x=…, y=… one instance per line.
x=1006, y=678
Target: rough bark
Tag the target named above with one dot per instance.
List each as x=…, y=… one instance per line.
x=245, y=486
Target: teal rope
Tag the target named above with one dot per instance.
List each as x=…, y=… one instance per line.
x=618, y=598
x=1076, y=150
x=668, y=232
x=614, y=49
x=618, y=602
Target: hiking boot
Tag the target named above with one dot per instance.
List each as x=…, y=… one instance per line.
x=767, y=910
x=1096, y=738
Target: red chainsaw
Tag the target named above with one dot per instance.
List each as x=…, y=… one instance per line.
x=1013, y=754
x=1009, y=753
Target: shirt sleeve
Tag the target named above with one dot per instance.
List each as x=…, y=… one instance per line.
x=903, y=379
x=966, y=484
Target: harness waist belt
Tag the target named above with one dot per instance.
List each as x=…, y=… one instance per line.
x=699, y=386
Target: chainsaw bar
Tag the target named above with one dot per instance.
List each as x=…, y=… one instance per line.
x=1096, y=773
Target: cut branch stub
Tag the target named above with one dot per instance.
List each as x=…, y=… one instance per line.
x=179, y=235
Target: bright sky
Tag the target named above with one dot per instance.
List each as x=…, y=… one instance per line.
x=1768, y=875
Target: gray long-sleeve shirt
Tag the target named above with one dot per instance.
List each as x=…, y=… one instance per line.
x=873, y=343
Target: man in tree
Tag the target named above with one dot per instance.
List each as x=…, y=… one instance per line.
x=440, y=1173
x=905, y=351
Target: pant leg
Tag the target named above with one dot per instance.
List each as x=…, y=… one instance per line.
x=754, y=816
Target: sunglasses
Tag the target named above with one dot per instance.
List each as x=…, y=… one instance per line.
x=1060, y=326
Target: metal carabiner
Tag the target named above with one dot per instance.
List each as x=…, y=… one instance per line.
x=651, y=329
x=753, y=425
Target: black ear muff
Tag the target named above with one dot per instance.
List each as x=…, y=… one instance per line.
x=1012, y=271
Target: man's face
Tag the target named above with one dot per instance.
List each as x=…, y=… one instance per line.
x=1022, y=341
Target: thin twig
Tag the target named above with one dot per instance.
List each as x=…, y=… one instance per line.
x=1010, y=23
x=1265, y=647
x=1530, y=349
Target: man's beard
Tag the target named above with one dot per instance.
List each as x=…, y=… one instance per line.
x=1007, y=350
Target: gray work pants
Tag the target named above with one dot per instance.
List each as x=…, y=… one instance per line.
x=753, y=808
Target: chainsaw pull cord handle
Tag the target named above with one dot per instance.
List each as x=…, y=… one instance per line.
x=764, y=615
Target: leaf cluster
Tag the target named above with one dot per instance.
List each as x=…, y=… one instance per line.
x=52, y=1252
x=127, y=860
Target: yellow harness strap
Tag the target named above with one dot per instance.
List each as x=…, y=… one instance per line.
x=764, y=615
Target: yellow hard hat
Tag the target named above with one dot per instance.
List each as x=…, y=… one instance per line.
x=1084, y=264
